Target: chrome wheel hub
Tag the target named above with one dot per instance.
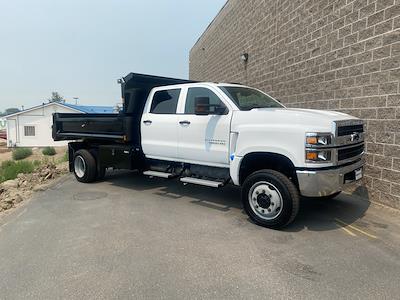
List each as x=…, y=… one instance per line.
x=265, y=200
x=79, y=166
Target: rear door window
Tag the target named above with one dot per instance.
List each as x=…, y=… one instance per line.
x=165, y=102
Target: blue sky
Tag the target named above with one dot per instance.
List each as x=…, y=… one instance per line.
x=80, y=47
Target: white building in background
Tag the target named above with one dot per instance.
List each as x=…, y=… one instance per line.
x=33, y=127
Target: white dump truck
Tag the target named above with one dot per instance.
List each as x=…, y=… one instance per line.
x=214, y=134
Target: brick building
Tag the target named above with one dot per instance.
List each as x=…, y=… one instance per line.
x=325, y=54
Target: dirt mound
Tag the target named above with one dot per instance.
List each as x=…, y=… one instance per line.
x=3, y=146
x=15, y=191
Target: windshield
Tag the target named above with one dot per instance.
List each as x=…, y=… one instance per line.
x=247, y=98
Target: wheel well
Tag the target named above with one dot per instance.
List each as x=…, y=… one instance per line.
x=253, y=162
x=76, y=146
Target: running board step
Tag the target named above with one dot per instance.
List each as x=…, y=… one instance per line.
x=158, y=174
x=198, y=181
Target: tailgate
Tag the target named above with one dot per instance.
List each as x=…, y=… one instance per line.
x=91, y=126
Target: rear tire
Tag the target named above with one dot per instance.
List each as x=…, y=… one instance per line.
x=270, y=199
x=84, y=166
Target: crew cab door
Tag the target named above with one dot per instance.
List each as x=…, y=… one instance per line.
x=204, y=138
x=159, y=124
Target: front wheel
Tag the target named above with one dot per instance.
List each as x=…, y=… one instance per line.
x=270, y=199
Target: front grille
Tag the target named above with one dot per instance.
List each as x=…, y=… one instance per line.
x=348, y=153
x=350, y=129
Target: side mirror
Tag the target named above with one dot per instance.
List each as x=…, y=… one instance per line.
x=202, y=106
x=221, y=110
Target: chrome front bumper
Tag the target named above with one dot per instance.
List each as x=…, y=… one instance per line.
x=325, y=182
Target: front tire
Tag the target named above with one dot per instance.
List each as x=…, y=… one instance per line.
x=270, y=199
x=84, y=166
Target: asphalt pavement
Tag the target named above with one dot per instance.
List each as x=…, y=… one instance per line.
x=140, y=238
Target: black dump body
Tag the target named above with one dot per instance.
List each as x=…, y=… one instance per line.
x=91, y=126
x=122, y=127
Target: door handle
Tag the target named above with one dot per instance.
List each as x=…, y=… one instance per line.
x=184, y=122
x=147, y=122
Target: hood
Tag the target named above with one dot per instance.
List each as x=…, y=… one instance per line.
x=312, y=113
x=308, y=119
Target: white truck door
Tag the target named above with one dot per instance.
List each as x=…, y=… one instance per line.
x=204, y=139
x=159, y=125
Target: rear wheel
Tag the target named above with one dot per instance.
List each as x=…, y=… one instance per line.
x=270, y=199
x=84, y=166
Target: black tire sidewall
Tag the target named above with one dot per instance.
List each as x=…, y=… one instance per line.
x=90, y=171
x=287, y=199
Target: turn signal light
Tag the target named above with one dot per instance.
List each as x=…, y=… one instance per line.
x=318, y=139
x=318, y=155
x=312, y=140
x=312, y=155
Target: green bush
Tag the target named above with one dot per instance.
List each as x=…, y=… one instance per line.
x=37, y=163
x=21, y=153
x=49, y=151
x=10, y=169
x=65, y=157
x=6, y=164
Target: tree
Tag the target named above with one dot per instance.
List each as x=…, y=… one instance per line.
x=56, y=97
x=11, y=110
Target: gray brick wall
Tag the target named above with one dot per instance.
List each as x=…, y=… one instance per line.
x=340, y=55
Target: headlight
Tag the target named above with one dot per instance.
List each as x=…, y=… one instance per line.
x=318, y=155
x=318, y=139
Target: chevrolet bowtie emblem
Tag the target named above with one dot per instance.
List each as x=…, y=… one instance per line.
x=355, y=136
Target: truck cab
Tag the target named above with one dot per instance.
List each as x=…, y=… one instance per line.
x=215, y=134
